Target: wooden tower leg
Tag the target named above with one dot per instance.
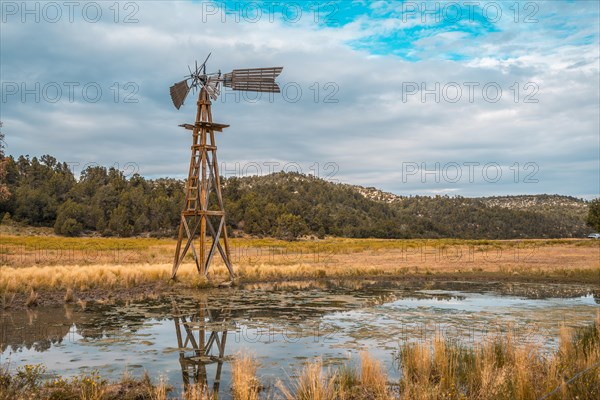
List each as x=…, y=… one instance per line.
x=201, y=211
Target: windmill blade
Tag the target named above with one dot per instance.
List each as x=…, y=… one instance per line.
x=253, y=79
x=179, y=92
x=203, y=66
x=254, y=74
x=265, y=87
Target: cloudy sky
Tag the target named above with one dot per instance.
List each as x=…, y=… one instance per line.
x=474, y=98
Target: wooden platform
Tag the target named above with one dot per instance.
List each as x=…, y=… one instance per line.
x=207, y=125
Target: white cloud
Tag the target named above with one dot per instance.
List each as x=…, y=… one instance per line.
x=369, y=133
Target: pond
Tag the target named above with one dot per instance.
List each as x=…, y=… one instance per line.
x=193, y=336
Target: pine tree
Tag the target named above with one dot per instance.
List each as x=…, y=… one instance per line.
x=593, y=219
x=4, y=192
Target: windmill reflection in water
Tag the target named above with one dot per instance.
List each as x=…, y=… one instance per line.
x=201, y=339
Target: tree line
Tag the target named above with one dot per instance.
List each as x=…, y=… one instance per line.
x=45, y=192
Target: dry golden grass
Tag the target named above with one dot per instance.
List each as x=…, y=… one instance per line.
x=87, y=277
x=197, y=391
x=373, y=379
x=160, y=391
x=57, y=263
x=344, y=384
x=23, y=251
x=69, y=296
x=244, y=384
x=312, y=384
x=502, y=369
x=31, y=382
x=32, y=299
x=7, y=299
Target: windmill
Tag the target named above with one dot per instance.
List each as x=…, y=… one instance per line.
x=203, y=211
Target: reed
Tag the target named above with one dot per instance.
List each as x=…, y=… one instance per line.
x=160, y=391
x=373, y=379
x=312, y=384
x=503, y=369
x=244, y=383
x=32, y=299
x=197, y=391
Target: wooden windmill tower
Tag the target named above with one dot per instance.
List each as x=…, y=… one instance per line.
x=203, y=213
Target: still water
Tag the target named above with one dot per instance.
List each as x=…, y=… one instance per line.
x=193, y=336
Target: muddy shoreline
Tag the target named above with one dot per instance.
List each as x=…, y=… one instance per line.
x=160, y=289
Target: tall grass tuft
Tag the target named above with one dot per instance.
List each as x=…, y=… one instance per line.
x=347, y=382
x=373, y=379
x=69, y=296
x=7, y=299
x=312, y=384
x=197, y=391
x=160, y=391
x=500, y=369
x=244, y=384
x=32, y=299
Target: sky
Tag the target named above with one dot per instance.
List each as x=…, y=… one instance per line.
x=469, y=98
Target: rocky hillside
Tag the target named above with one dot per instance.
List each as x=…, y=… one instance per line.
x=561, y=215
x=520, y=202
x=543, y=203
x=355, y=211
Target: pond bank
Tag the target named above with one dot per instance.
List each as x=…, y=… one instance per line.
x=53, y=270
x=52, y=297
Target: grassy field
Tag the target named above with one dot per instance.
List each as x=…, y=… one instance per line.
x=33, y=267
x=36, y=263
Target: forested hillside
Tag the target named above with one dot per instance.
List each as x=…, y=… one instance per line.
x=44, y=192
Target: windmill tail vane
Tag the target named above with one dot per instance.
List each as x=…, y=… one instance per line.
x=248, y=80
x=179, y=92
